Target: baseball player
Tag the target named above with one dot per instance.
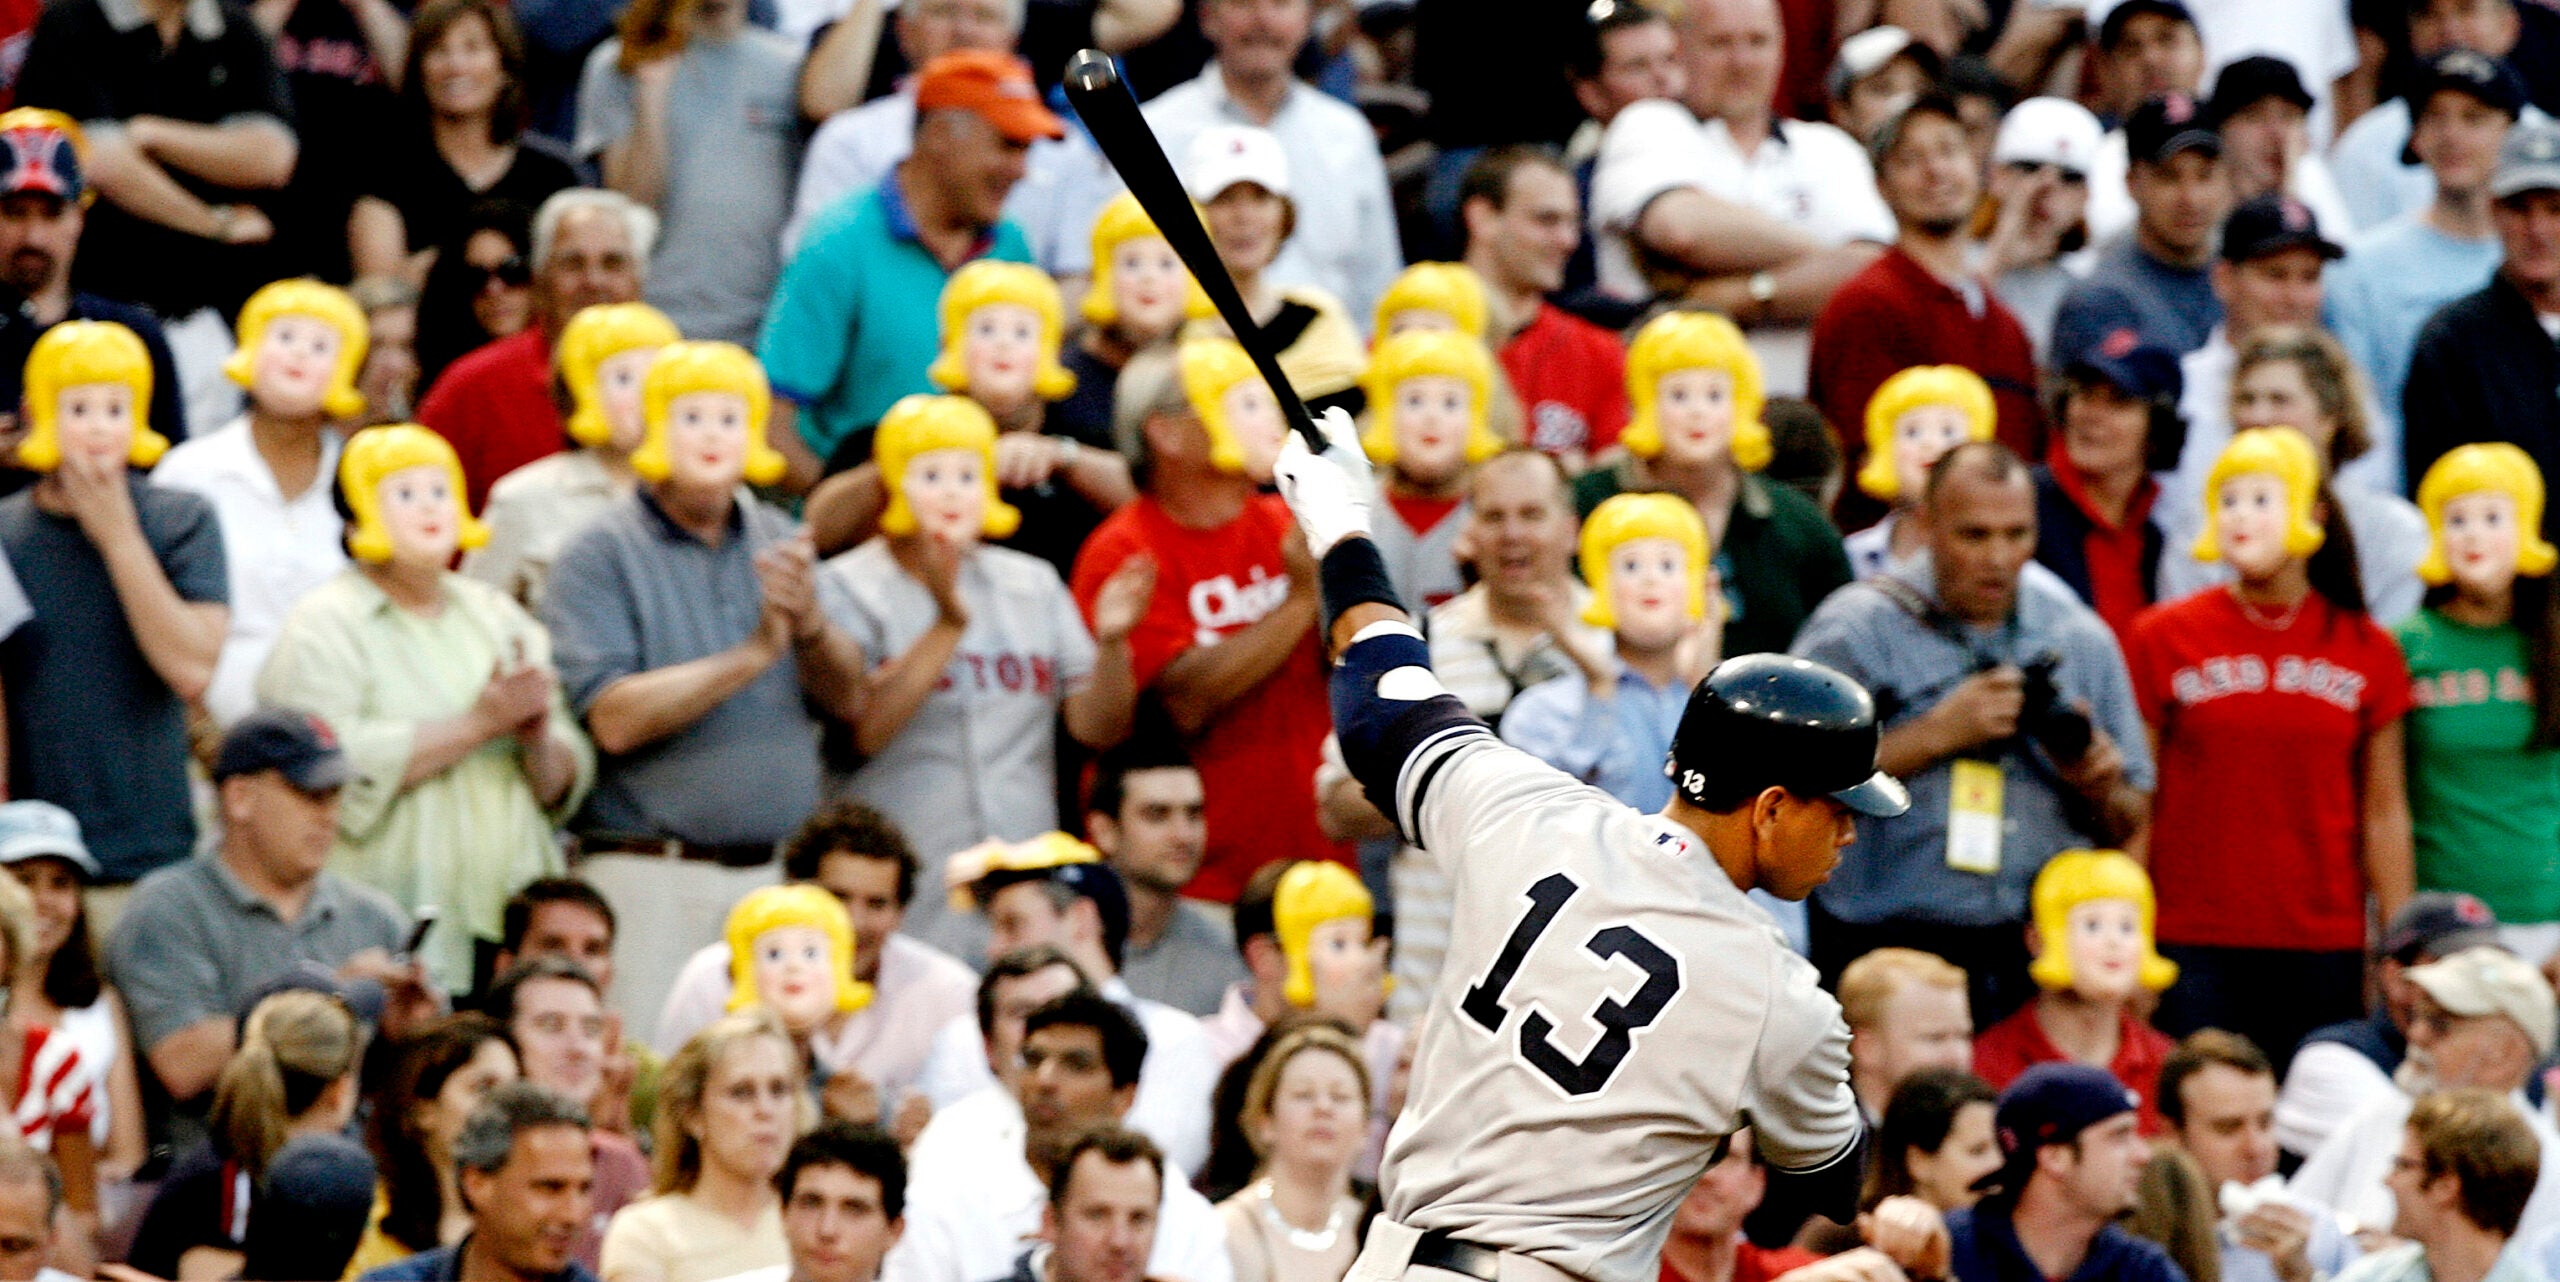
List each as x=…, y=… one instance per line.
x=1613, y=1008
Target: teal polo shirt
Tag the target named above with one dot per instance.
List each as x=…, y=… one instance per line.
x=853, y=324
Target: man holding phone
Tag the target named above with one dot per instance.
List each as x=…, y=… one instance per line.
x=202, y=935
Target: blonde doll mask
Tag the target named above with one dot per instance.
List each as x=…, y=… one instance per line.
x=791, y=951
x=88, y=395
x=1001, y=325
x=2259, y=501
x=1139, y=283
x=705, y=406
x=1432, y=297
x=604, y=356
x=1428, y=390
x=2483, y=505
x=1235, y=407
x=1645, y=556
x=1324, y=919
x=301, y=344
x=1694, y=390
x=2093, y=920
x=1914, y=418
x=404, y=485
x=940, y=454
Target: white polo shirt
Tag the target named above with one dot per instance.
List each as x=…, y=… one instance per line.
x=277, y=548
x=1804, y=174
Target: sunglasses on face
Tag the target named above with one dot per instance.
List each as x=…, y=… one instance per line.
x=511, y=271
x=2030, y=169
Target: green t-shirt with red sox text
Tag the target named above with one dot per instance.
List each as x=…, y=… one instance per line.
x=2485, y=804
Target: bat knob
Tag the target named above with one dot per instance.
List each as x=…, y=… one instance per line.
x=1092, y=71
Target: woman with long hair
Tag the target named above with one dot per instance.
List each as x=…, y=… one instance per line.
x=1935, y=1141
x=479, y=290
x=294, y=1075
x=1306, y=1113
x=57, y=983
x=729, y=1106
x=2275, y=705
x=460, y=140
x=437, y=1077
x=2484, y=668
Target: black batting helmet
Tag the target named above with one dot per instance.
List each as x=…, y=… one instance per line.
x=1769, y=721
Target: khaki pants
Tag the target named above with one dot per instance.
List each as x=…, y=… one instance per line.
x=664, y=910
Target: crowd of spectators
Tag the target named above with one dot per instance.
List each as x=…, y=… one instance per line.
x=649, y=641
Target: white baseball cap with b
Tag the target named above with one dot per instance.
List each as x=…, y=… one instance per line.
x=1223, y=155
x=2048, y=131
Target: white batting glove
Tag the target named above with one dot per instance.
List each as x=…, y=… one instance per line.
x=1328, y=492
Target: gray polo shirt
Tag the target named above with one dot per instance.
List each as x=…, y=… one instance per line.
x=195, y=942
x=635, y=592
x=1189, y=966
x=1898, y=869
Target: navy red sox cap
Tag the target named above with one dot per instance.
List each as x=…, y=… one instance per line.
x=297, y=745
x=2167, y=125
x=2051, y=1103
x=1772, y=721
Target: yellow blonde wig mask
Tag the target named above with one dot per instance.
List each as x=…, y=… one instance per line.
x=685, y=368
x=2076, y=877
x=1121, y=221
x=921, y=424
x=327, y=304
x=799, y=904
x=988, y=283
x=1451, y=289
x=963, y=872
x=1311, y=893
x=1675, y=341
x=595, y=335
x=1423, y=354
x=377, y=452
x=1625, y=518
x=1211, y=367
x=2496, y=467
x=1914, y=388
x=76, y=354
x=2280, y=452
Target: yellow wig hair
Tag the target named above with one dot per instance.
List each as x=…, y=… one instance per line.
x=2280, y=452
x=1625, y=518
x=1211, y=367
x=1311, y=893
x=2497, y=467
x=1919, y=386
x=377, y=452
x=595, y=335
x=685, y=368
x=1451, y=289
x=1675, y=341
x=48, y=118
x=962, y=873
x=75, y=354
x=921, y=424
x=1424, y=354
x=1121, y=221
x=2076, y=877
x=327, y=304
x=988, y=283
x=798, y=904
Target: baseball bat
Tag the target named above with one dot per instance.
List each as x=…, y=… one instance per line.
x=1110, y=113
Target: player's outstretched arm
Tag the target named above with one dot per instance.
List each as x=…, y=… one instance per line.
x=1386, y=704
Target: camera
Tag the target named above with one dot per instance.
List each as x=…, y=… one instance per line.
x=2064, y=732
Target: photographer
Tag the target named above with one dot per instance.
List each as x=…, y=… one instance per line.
x=2008, y=712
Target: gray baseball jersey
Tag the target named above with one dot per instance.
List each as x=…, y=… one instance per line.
x=1611, y=1009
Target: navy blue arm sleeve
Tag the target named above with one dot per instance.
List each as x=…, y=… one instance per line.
x=1382, y=730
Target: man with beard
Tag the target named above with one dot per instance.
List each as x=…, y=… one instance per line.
x=2484, y=1019
x=1147, y=814
x=1920, y=303
x=44, y=205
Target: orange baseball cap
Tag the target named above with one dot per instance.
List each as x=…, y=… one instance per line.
x=997, y=86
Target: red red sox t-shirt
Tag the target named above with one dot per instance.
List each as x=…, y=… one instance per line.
x=1258, y=757
x=2255, y=831
x=1571, y=376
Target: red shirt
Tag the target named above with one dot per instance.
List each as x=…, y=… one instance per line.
x=1755, y=1264
x=2118, y=589
x=495, y=405
x=2255, y=828
x=1896, y=314
x=1572, y=379
x=1258, y=758
x=2018, y=1043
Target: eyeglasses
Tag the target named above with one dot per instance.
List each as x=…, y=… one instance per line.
x=511, y=271
x=2031, y=168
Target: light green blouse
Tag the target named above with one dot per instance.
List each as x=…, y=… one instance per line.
x=467, y=838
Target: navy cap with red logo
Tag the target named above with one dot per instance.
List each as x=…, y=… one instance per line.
x=2264, y=225
x=2167, y=125
x=297, y=745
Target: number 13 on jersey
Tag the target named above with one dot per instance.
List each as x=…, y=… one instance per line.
x=1619, y=1019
